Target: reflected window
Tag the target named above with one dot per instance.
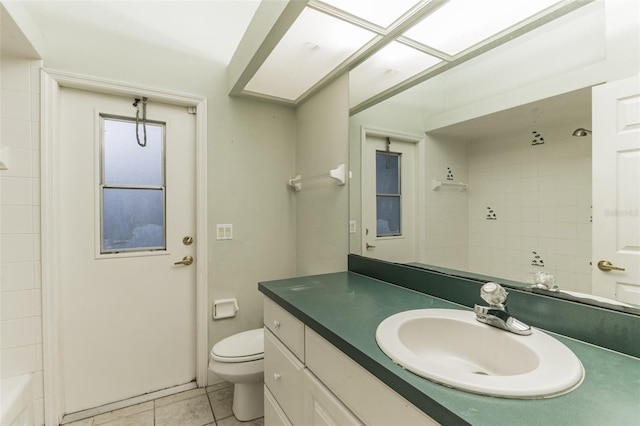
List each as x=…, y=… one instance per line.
x=132, y=187
x=388, y=194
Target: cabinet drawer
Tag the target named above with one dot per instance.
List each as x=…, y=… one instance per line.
x=283, y=377
x=285, y=326
x=273, y=414
x=373, y=402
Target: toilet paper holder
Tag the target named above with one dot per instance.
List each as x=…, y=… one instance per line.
x=225, y=308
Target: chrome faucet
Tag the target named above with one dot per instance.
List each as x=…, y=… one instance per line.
x=544, y=280
x=496, y=313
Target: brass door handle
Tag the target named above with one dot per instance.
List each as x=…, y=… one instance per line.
x=606, y=266
x=369, y=246
x=187, y=260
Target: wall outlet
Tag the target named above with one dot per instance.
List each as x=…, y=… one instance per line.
x=224, y=231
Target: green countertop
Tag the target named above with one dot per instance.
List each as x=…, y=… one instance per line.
x=346, y=308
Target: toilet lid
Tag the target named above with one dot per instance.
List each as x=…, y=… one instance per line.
x=241, y=347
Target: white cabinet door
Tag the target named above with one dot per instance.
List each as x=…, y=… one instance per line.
x=273, y=414
x=320, y=407
x=373, y=402
x=616, y=189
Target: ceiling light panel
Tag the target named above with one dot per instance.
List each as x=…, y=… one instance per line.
x=313, y=47
x=391, y=65
x=461, y=24
x=379, y=12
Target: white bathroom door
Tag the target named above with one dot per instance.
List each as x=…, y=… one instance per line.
x=128, y=318
x=389, y=200
x=616, y=189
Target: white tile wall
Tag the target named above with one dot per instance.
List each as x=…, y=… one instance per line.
x=20, y=276
x=540, y=195
x=542, y=198
x=446, y=212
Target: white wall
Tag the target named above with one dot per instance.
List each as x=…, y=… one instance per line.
x=20, y=277
x=322, y=205
x=251, y=158
x=541, y=198
x=446, y=209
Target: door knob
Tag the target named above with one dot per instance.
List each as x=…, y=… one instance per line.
x=370, y=246
x=187, y=260
x=606, y=266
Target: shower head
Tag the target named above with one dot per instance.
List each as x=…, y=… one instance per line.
x=580, y=132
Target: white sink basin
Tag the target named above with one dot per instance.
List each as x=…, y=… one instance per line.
x=452, y=348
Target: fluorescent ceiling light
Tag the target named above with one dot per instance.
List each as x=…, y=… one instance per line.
x=312, y=48
x=380, y=12
x=460, y=24
x=395, y=44
x=391, y=65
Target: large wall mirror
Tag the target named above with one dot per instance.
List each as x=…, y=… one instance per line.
x=486, y=170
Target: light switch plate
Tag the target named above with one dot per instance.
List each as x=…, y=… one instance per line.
x=224, y=231
x=352, y=226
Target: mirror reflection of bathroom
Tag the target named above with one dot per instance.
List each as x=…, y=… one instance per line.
x=528, y=207
x=513, y=200
x=504, y=144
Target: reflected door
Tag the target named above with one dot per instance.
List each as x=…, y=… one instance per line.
x=127, y=310
x=389, y=200
x=616, y=190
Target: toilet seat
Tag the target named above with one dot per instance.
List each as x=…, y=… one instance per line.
x=242, y=347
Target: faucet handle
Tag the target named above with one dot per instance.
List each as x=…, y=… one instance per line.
x=493, y=294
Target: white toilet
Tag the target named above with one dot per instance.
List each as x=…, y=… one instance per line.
x=239, y=359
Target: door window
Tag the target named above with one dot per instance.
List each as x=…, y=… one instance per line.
x=132, y=186
x=388, y=194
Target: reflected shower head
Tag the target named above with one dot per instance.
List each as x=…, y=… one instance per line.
x=580, y=132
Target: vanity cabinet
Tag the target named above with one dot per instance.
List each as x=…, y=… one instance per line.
x=308, y=381
x=273, y=414
x=373, y=402
x=321, y=407
x=283, y=365
x=283, y=377
x=287, y=328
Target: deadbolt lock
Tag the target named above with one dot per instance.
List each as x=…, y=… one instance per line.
x=188, y=240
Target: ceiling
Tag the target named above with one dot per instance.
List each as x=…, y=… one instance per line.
x=570, y=107
x=12, y=40
x=384, y=50
x=208, y=29
x=385, y=46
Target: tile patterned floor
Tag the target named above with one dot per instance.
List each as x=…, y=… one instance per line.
x=197, y=407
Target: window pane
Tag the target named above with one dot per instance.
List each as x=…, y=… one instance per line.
x=127, y=163
x=388, y=190
x=388, y=215
x=132, y=219
x=387, y=172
